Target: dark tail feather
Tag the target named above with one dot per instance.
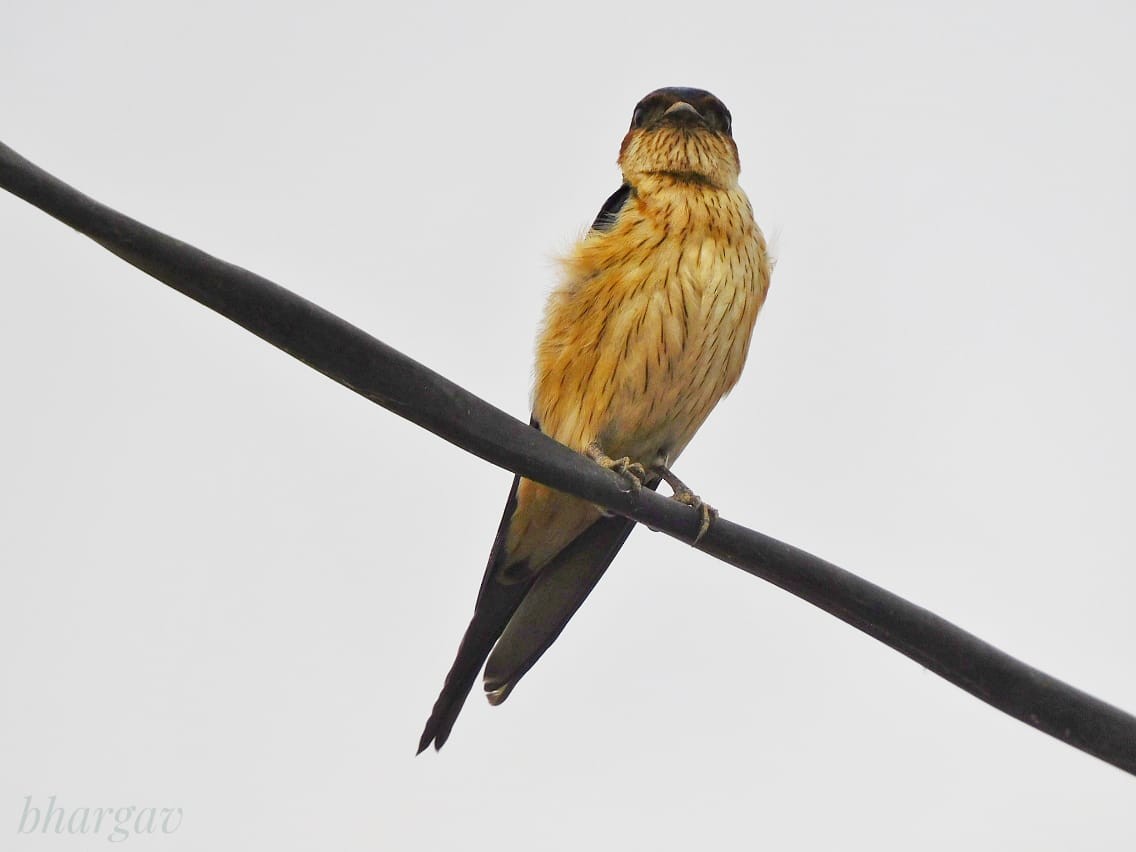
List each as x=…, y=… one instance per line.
x=496, y=603
x=556, y=594
x=489, y=620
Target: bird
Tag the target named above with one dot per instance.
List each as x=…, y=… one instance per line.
x=646, y=330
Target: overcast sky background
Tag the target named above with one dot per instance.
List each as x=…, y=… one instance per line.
x=234, y=587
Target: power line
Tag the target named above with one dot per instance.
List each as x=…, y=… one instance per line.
x=385, y=376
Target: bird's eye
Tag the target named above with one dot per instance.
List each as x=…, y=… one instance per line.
x=722, y=119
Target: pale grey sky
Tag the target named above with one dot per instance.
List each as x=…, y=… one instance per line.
x=234, y=587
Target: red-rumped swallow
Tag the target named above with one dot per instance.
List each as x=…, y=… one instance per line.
x=648, y=328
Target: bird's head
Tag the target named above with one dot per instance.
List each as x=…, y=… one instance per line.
x=683, y=133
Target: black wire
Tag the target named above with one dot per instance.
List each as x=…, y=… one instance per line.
x=369, y=367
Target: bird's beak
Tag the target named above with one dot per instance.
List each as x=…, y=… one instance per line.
x=682, y=113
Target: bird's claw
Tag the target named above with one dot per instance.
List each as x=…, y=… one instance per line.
x=633, y=472
x=630, y=470
x=708, y=513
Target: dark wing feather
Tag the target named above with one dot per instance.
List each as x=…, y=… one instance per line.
x=496, y=603
x=559, y=589
x=605, y=220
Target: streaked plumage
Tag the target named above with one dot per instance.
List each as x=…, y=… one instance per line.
x=647, y=330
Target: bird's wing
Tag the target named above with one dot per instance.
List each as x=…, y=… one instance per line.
x=517, y=620
x=605, y=220
x=496, y=603
x=555, y=595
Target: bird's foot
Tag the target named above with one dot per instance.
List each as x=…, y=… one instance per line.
x=683, y=494
x=630, y=470
x=708, y=513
